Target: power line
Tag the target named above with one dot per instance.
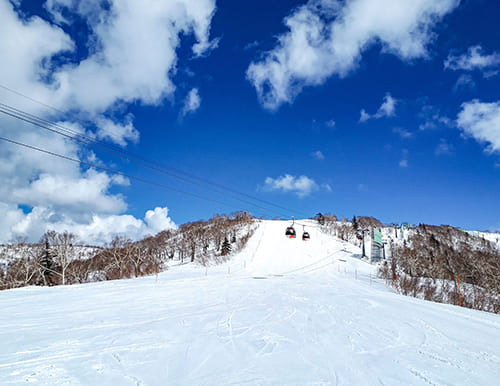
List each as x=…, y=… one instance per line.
x=88, y=164
x=31, y=99
x=18, y=114
x=140, y=157
x=75, y=136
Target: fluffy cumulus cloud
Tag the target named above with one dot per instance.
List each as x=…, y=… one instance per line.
x=88, y=192
x=481, y=121
x=31, y=42
x=100, y=228
x=473, y=59
x=387, y=109
x=131, y=54
x=158, y=220
x=302, y=186
x=328, y=37
x=132, y=49
x=128, y=56
x=119, y=133
x=97, y=229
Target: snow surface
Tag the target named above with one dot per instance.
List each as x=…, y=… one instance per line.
x=282, y=311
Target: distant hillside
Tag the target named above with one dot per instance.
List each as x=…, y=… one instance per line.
x=427, y=261
x=424, y=261
x=58, y=260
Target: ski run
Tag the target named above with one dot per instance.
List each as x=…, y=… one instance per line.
x=282, y=311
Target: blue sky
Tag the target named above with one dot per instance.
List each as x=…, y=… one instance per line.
x=383, y=108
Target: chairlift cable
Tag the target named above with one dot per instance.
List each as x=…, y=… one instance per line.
x=83, y=139
x=108, y=170
x=96, y=145
x=141, y=157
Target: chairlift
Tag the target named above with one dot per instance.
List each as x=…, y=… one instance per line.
x=305, y=235
x=290, y=232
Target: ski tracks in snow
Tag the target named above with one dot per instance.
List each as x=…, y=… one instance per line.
x=316, y=317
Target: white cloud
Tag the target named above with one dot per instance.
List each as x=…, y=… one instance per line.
x=490, y=73
x=403, y=133
x=318, y=155
x=101, y=229
x=386, y=109
x=88, y=192
x=361, y=187
x=464, y=81
x=443, y=148
x=327, y=38
x=157, y=220
x=10, y=215
x=302, y=186
x=93, y=229
x=364, y=116
x=251, y=45
x=29, y=44
x=474, y=59
x=482, y=122
x=330, y=123
x=404, y=161
x=131, y=58
x=117, y=132
x=132, y=50
x=192, y=102
x=327, y=187
x=433, y=119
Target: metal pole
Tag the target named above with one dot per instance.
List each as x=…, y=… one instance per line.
x=363, y=233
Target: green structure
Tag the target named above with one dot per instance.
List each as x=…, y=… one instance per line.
x=377, y=245
x=377, y=236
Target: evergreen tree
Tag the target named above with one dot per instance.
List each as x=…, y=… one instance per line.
x=355, y=224
x=226, y=247
x=47, y=263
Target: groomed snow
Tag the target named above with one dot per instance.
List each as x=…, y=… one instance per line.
x=283, y=311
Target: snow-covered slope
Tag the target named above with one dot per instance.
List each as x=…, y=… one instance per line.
x=283, y=311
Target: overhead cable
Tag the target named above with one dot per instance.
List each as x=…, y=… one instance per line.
x=117, y=151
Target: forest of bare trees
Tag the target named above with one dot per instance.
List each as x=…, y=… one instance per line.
x=430, y=263
x=348, y=230
x=59, y=258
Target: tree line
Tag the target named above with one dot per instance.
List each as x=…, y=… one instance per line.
x=344, y=229
x=60, y=259
x=429, y=264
